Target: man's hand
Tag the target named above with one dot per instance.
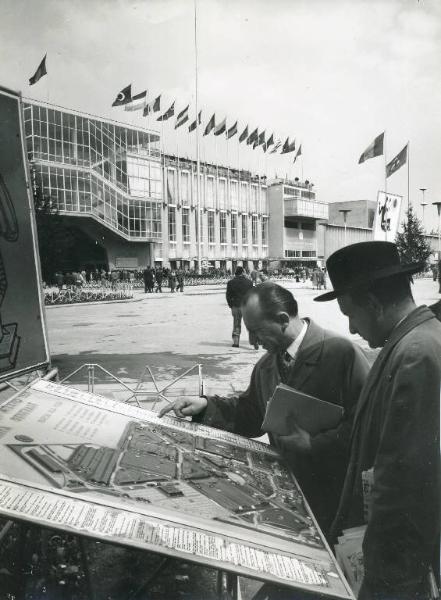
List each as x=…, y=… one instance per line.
x=297, y=440
x=185, y=407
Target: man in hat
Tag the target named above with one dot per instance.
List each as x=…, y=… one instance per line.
x=304, y=356
x=236, y=290
x=395, y=434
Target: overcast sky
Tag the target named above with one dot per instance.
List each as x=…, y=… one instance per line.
x=331, y=74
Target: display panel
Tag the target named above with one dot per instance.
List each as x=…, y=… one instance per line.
x=23, y=344
x=91, y=465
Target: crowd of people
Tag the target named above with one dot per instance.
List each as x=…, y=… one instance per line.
x=390, y=424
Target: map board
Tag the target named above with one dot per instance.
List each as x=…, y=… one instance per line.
x=23, y=343
x=387, y=217
x=97, y=467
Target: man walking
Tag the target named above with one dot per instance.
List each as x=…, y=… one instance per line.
x=396, y=426
x=310, y=359
x=236, y=290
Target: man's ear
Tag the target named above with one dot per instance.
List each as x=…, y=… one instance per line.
x=283, y=319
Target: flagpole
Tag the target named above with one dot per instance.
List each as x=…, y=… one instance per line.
x=408, y=177
x=198, y=160
x=385, y=163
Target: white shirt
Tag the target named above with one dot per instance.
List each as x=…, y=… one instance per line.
x=293, y=348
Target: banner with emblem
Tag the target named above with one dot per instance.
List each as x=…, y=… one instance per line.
x=387, y=216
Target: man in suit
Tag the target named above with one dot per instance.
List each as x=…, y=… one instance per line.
x=236, y=290
x=306, y=357
x=396, y=424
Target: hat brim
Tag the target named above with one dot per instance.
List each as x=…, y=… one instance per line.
x=383, y=274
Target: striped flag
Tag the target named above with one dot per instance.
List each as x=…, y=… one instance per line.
x=182, y=117
x=123, y=97
x=221, y=127
x=168, y=113
x=39, y=73
x=232, y=131
x=138, y=102
x=276, y=147
x=193, y=126
x=298, y=153
x=153, y=106
x=243, y=136
x=210, y=125
x=288, y=147
x=253, y=137
x=374, y=149
x=269, y=143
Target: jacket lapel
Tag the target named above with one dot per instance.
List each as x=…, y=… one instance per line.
x=415, y=318
x=308, y=356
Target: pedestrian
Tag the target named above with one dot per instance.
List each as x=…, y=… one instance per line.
x=236, y=290
x=59, y=280
x=308, y=358
x=180, y=278
x=149, y=280
x=172, y=281
x=158, y=279
x=395, y=434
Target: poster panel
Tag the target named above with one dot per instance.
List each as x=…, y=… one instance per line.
x=387, y=216
x=23, y=342
x=97, y=467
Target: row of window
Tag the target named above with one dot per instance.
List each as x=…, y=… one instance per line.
x=300, y=254
x=223, y=228
x=215, y=193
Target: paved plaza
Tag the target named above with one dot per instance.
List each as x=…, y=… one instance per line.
x=171, y=332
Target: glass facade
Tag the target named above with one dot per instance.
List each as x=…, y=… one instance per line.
x=101, y=169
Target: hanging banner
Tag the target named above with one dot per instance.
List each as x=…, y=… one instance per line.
x=387, y=216
x=23, y=341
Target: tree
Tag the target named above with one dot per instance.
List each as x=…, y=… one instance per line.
x=54, y=239
x=411, y=242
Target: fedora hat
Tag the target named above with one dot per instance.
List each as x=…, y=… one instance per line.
x=360, y=265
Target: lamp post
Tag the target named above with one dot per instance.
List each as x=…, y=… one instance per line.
x=345, y=212
x=423, y=204
x=438, y=206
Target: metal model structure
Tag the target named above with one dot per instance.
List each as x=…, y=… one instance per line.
x=92, y=466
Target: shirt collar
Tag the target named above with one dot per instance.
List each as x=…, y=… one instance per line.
x=293, y=348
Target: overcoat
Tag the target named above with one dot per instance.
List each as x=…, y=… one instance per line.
x=328, y=367
x=396, y=431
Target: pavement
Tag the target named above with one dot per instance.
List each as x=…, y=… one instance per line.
x=170, y=333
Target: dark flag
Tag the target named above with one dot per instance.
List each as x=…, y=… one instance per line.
x=397, y=162
x=288, y=147
x=168, y=113
x=152, y=106
x=182, y=117
x=269, y=143
x=221, y=127
x=210, y=125
x=243, y=136
x=124, y=96
x=193, y=126
x=276, y=147
x=39, y=73
x=253, y=137
x=232, y=131
x=255, y=143
x=298, y=153
x=374, y=149
x=261, y=139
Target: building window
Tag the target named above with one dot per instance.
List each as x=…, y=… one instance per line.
x=171, y=192
x=186, y=225
x=234, y=228
x=264, y=231
x=308, y=253
x=172, y=224
x=234, y=195
x=211, y=235
x=223, y=228
x=244, y=230
x=263, y=200
x=253, y=199
x=254, y=231
x=244, y=196
x=222, y=193
x=210, y=192
x=292, y=253
x=185, y=188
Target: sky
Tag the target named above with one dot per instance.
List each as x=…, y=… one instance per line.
x=331, y=75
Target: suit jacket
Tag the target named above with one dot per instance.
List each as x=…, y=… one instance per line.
x=236, y=289
x=328, y=367
x=396, y=431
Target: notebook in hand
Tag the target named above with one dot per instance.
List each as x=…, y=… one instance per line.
x=310, y=413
